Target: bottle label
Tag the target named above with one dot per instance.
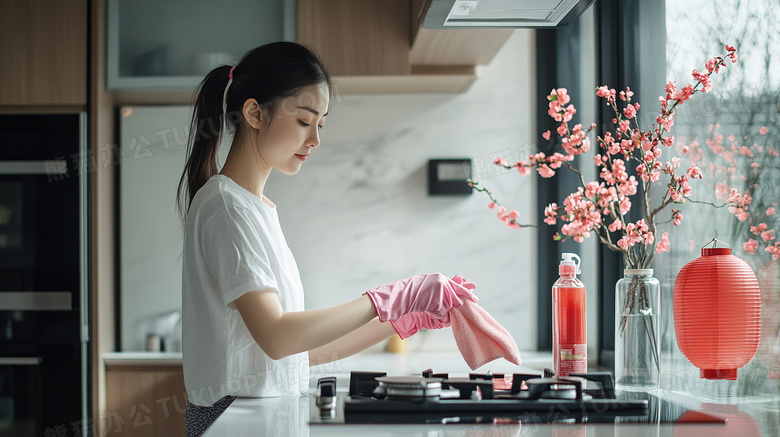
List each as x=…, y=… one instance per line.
x=574, y=359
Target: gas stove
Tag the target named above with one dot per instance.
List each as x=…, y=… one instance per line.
x=375, y=397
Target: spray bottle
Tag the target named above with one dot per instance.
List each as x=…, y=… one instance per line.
x=569, y=323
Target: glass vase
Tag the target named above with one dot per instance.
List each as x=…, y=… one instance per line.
x=637, y=351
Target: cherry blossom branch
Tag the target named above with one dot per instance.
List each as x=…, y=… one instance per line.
x=609, y=198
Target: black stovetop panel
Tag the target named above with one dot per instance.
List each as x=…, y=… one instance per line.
x=594, y=403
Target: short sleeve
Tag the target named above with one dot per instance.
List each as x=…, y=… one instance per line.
x=236, y=254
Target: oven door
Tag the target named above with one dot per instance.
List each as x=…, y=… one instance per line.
x=40, y=261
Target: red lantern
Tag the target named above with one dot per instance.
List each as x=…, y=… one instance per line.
x=717, y=313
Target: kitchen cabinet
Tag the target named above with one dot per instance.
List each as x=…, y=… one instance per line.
x=145, y=400
x=172, y=45
x=357, y=37
x=376, y=46
x=43, y=47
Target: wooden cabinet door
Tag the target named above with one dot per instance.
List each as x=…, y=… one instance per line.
x=43, y=52
x=145, y=401
x=357, y=37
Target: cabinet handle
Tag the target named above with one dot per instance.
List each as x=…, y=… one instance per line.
x=20, y=361
x=35, y=301
x=51, y=167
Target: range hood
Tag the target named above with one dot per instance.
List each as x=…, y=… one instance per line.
x=510, y=14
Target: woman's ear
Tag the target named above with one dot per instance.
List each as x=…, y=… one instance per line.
x=253, y=113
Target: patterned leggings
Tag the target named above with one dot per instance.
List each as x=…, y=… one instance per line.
x=197, y=419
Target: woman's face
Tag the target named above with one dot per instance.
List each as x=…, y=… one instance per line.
x=293, y=132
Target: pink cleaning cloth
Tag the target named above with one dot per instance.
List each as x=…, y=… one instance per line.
x=480, y=338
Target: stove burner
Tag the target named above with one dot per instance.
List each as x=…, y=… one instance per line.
x=408, y=387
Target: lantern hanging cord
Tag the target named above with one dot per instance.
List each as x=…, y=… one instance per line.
x=716, y=241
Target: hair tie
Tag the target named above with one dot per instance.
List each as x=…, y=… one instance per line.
x=230, y=75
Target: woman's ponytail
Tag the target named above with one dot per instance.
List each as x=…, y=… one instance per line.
x=205, y=131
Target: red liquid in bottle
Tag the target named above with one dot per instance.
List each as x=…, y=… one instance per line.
x=569, y=324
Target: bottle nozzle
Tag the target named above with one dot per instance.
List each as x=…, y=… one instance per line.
x=568, y=265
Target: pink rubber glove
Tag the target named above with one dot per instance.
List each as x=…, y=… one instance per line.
x=470, y=285
x=434, y=294
x=410, y=324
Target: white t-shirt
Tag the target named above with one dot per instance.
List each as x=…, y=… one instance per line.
x=233, y=244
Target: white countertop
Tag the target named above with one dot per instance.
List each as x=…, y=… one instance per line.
x=142, y=358
x=289, y=416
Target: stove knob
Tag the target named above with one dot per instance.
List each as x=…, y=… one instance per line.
x=326, y=393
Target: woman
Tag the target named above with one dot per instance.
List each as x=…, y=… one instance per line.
x=245, y=332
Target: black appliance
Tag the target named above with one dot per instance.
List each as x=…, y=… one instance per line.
x=436, y=398
x=44, y=323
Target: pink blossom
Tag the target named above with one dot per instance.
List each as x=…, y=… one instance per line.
x=627, y=94
x=625, y=205
x=743, y=216
x=569, y=113
x=771, y=211
x=550, y=213
x=546, y=135
x=561, y=129
x=513, y=215
x=774, y=250
x=686, y=189
x=615, y=226
x=624, y=124
x=500, y=161
x=712, y=64
x=545, y=171
x=663, y=245
x=624, y=243
x=591, y=188
x=629, y=111
x=763, y=130
x=492, y=205
x=651, y=176
x=560, y=95
x=554, y=112
x=523, y=168
x=684, y=94
x=732, y=53
x=606, y=93
x=768, y=235
x=648, y=238
x=694, y=172
x=628, y=187
x=666, y=122
x=750, y=246
x=675, y=195
x=677, y=216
